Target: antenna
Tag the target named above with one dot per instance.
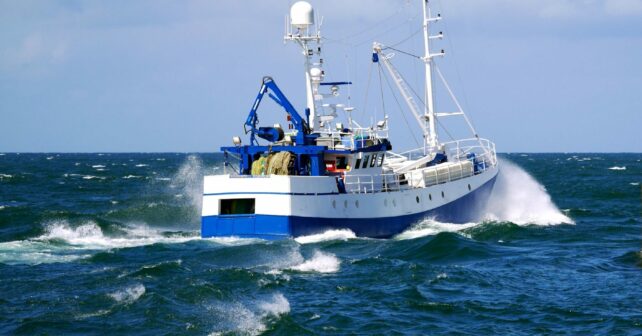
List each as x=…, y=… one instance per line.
x=303, y=31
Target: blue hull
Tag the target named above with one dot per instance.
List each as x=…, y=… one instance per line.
x=462, y=210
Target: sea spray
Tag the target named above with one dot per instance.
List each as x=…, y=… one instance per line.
x=188, y=180
x=518, y=198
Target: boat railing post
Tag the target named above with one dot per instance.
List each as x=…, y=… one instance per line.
x=372, y=183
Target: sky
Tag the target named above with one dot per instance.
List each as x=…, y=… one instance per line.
x=181, y=76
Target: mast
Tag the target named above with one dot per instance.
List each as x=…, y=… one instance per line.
x=429, y=114
x=299, y=28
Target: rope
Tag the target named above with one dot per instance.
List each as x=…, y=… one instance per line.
x=401, y=110
x=365, y=104
x=403, y=52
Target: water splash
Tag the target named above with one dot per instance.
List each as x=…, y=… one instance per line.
x=188, y=180
x=326, y=236
x=128, y=295
x=518, y=198
x=64, y=242
x=320, y=263
x=249, y=318
x=431, y=227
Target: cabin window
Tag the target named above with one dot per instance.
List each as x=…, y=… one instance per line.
x=380, y=161
x=238, y=206
x=373, y=161
x=358, y=164
x=342, y=163
x=365, y=162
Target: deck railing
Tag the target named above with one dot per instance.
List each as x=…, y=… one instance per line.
x=461, y=163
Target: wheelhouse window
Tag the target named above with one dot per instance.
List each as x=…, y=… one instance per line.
x=341, y=162
x=237, y=206
x=357, y=165
x=373, y=160
x=380, y=161
x=365, y=161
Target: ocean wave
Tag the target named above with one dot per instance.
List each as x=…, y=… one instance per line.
x=91, y=177
x=329, y=235
x=518, y=198
x=142, y=165
x=250, y=318
x=77, y=240
x=131, y=176
x=233, y=241
x=320, y=263
x=431, y=227
x=617, y=168
x=129, y=294
x=98, y=166
x=5, y=176
x=33, y=253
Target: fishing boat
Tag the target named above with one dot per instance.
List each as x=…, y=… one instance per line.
x=321, y=172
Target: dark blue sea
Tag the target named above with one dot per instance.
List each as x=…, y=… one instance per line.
x=95, y=244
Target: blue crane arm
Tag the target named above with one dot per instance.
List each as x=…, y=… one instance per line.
x=252, y=119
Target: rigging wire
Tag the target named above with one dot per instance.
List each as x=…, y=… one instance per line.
x=414, y=137
x=383, y=102
x=365, y=103
x=452, y=52
x=401, y=51
x=407, y=38
x=424, y=105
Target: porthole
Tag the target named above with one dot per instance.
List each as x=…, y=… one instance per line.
x=469, y=187
x=442, y=195
x=345, y=204
x=356, y=204
x=417, y=198
x=334, y=204
x=430, y=197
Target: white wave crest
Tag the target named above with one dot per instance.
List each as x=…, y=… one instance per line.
x=278, y=305
x=249, y=319
x=617, y=168
x=142, y=165
x=90, y=236
x=234, y=241
x=28, y=252
x=320, y=263
x=431, y=227
x=91, y=177
x=80, y=242
x=128, y=295
x=98, y=166
x=131, y=176
x=344, y=234
x=518, y=198
x=5, y=176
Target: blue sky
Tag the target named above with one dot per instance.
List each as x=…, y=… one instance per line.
x=96, y=76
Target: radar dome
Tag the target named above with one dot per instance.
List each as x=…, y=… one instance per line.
x=301, y=14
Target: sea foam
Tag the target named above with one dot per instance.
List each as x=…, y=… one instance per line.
x=129, y=294
x=249, y=318
x=326, y=236
x=431, y=227
x=320, y=262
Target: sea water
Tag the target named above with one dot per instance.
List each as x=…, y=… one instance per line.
x=110, y=244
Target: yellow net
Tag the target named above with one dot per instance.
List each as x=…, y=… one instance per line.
x=275, y=163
